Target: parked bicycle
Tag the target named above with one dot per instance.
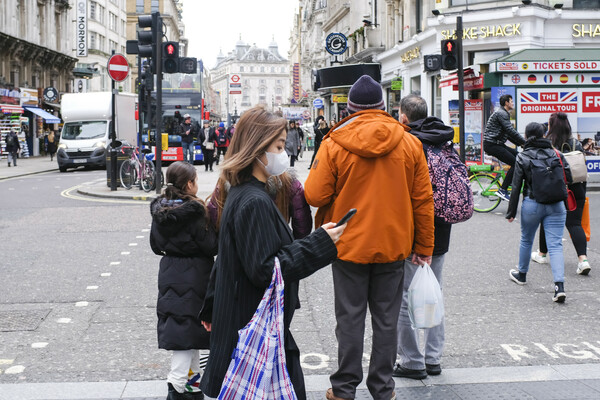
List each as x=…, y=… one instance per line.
x=136, y=170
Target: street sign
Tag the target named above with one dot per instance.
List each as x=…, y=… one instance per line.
x=118, y=67
x=336, y=43
x=397, y=84
x=318, y=103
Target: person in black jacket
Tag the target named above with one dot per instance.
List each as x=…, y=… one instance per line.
x=208, y=147
x=552, y=216
x=321, y=130
x=412, y=362
x=252, y=232
x=12, y=146
x=559, y=133
x=185, y=239
x=188, y=131
x=497, y=131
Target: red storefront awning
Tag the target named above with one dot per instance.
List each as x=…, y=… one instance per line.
x=11, y=109
x=471, y=81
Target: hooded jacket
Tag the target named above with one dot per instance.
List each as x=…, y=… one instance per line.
x=180, y=233
x=368, y=162
x=534, y=149
x=434, y=132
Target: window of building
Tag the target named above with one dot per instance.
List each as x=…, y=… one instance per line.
x=251, y=69
x=279, y=91
x=93, y=14
x=436, y=96
x=154, y=5
x=112, y=21
x=112, y=45
x=93, y=40
x=101, y=43
x=262, y=69
x=278, y=81
x=101, y=12
x=263, y=82
x=262, y=91
x=579, y=4
x=273, y=69
x=139, y=6
x=320, y=4
x=241, y=68
x=283, y=70
x=123, y=27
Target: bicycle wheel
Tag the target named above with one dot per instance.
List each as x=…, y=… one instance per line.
x=147, y=178
x=127, y=174
x=485, y=189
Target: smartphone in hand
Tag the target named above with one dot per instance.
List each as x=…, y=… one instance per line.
x=346, y=217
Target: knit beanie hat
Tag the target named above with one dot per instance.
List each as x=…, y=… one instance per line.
x=365, y=94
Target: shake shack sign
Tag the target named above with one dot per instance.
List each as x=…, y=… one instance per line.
x=81, y=22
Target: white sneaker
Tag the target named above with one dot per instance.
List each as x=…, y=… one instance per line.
x=583, y=268
x=538, y=258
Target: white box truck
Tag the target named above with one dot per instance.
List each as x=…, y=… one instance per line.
x=85, y=134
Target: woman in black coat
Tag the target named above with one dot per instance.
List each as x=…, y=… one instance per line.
x=182, y=235
x=252, y=233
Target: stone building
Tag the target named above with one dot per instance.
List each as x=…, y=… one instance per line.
x=248, y=76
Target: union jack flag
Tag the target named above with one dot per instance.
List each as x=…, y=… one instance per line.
x=568, y=97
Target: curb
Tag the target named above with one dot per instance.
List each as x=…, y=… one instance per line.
x=2, y=178
x=110, y=195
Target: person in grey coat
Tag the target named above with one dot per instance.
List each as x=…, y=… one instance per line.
x=292, y=142
x=182, y=235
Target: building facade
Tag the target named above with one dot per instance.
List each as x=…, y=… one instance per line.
x=249, y=76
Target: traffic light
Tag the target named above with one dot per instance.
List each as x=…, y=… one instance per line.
x=170, y=55
x=149, y=39
x=148, y=79
x=188, y=65
x=449, y=54
x=432, y=62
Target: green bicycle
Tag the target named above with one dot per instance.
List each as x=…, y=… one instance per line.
x=485, y=182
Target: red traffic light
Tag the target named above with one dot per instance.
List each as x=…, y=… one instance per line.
x=170, y=49
x=449, y=46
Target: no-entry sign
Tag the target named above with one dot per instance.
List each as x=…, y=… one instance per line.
x=118, y=67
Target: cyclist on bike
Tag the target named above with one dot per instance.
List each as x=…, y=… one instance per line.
x=497, y=131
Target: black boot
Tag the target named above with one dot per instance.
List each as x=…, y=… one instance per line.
x=559, y=292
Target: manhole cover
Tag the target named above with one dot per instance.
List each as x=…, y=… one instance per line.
x=14, y=321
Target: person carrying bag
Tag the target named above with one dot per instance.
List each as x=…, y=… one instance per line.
x=257, y=369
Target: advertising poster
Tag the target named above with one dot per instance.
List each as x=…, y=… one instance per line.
x=498, y=92
x=473, y=131
x=581, y=105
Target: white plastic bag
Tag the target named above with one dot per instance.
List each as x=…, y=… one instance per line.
x=425, y=301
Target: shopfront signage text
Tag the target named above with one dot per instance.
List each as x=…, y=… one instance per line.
x=339, y=98
x=411, y=54
x=81, y=21
x=583, y=30
x=482, y=32
x=548, y=66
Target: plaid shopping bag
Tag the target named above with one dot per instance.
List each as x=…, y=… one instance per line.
x=257, y=369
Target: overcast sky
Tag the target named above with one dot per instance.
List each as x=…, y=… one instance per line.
x=211, y=25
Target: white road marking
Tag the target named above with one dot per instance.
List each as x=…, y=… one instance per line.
x=82, y=304
x=92, y=287
x=6, y=361
x=125, y=253
x=115, y=262
x=39, y=345
x=11, y=188
x=132, y=244
x=16, y=369
x=139, y=237
x=64, y=320
x=105, y=274
x=145, y=230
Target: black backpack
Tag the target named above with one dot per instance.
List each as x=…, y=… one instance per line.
x=10, y=140
x=221, y=138
x=547, y=180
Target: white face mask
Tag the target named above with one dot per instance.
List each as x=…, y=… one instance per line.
x=276, y=163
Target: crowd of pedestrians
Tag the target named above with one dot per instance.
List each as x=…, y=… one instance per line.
x=258, y=222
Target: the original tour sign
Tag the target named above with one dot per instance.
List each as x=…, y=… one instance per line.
x=336, y=43
x=482, y=32
x=81, y=22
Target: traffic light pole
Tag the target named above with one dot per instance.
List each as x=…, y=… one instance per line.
x=141, y=93
x=158, y=113
x=461, y=88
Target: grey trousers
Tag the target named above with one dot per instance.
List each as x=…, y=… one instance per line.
x=355, y=286
x=410, y=355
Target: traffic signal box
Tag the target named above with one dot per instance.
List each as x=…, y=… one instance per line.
x=170, y=54
x=148, y=39
x=449, y=55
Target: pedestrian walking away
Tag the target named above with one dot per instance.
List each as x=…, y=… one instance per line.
x=188, y=131
x=321, y=130
x=221, y=141
x=370, y=162
x=51, y=145
x=13, y=147
x=208, y=147
x=559, y=133
x=412, y=362
x=497, y=131
x=540, y=170
x=252, y=233
x=182, y=235
x=293, y=142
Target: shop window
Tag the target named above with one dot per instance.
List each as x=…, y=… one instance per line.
x=415, y=85
x=436, y=96
x=579, y=4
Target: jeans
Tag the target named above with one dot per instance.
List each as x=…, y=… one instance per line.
x=188, y=152
x=553, y=217
x=410, y=355
x=505, y=154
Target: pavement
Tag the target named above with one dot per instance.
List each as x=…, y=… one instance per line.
x=566, y=381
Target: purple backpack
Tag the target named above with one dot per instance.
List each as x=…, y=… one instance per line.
x=452, y=196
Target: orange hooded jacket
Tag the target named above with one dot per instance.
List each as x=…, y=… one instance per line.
x=368, y=162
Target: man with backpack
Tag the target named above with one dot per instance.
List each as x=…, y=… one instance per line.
x=371, y=163
x=222, y=141
x=453, y=202
x=12, y=147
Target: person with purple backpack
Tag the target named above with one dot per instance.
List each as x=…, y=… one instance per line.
x=448, y=208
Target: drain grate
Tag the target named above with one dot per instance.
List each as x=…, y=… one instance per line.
x=16, y=321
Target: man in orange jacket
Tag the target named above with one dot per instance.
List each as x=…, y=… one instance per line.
x=369, y=162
